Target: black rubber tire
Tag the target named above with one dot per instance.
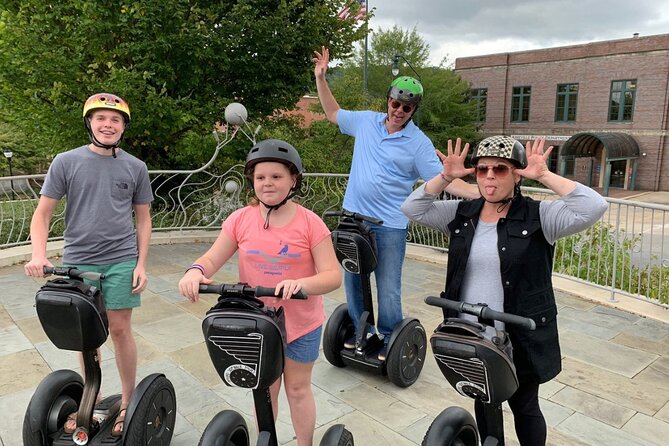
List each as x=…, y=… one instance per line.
x=407, y=355
x=153, y=420
x=338, y=328
x=227, y=428
x=337, y=435
x=452, y=427
x=57, y=396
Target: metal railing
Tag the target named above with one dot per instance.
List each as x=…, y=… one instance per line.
x=626, y=252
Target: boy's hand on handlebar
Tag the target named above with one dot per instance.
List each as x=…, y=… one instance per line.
x=35, y=268
x=290, y=287
x=189, y=285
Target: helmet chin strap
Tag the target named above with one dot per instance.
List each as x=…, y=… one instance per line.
x=97, y=143
x=270, y=208
x=505, y=201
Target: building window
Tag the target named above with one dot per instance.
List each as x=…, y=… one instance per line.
x=569, y=165
x=480, y=97
x=520, y=104
x=621, y=104
x=565, y=102
x=554, y=159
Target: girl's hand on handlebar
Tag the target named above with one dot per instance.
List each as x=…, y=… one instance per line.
x=189, y=285
x=290, y=287
x=35, y=268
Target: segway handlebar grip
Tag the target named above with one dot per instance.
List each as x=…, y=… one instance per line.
x=354, y=216
x=72, y=273
x=269, y=291
x=481, y=311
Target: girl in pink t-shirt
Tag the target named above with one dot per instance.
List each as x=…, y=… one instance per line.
x=284, y=245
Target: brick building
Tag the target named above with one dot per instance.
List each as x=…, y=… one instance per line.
x=603, y=105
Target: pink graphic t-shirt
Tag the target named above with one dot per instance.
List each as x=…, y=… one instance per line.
x=268, y=256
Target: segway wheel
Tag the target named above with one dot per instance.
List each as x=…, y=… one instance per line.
x=337, y=435
x=227, y=428
x=452, y=427
x=152, y=422
x=407, y=355
x=57, y=396
x=338, y=328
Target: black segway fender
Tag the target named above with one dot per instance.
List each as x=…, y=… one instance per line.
x=153, y=399
x=453, y=426
x=406, y=352
x=55, y=398
x=398, y=329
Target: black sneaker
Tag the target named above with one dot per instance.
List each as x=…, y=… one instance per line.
x=383, y=353
x=350, y=342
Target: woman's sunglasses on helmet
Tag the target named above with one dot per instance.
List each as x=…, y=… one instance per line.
x=499, y=170
x=397, y=104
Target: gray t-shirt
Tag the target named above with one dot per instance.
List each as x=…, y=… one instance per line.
x=101, y=191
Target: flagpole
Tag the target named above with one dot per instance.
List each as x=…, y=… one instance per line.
x=364, y=78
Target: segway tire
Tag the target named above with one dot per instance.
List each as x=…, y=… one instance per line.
x=227, y=428
x=152, y=421
x=337, y=435
x=452, y=427
x=57, y=396
x=407, y=355
x=338, y=328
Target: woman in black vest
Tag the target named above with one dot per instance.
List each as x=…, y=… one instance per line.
x=501, y=252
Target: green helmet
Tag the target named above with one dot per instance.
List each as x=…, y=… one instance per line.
x=406, y=89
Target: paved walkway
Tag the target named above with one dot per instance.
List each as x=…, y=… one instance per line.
x=614, y=388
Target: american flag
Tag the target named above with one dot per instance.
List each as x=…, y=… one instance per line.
x=345, y=12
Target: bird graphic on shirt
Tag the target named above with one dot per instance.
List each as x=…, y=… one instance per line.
x=283, y=250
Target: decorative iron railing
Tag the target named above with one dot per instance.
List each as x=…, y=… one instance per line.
x=626, y=252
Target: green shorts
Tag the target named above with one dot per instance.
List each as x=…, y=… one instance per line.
x=117, y=285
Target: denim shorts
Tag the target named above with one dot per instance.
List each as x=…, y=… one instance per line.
x=305, y=348
x=117, y=285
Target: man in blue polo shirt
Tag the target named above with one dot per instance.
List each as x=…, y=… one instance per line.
x=390, y=154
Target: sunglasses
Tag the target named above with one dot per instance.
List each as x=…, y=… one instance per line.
x=405, y=108
x=499, y=170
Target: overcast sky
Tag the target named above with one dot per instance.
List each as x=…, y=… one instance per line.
x=474, y=27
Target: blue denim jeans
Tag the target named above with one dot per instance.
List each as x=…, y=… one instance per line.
x=390, y=250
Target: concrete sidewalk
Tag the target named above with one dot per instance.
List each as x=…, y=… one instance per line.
x=614, y=388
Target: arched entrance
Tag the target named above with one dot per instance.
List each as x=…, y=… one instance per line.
x=613, y=158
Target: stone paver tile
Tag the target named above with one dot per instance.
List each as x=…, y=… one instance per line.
x=606, y=355
x=65, y=359
x=663, y=414
x=593, y=406
x=554, y=413
x=564, y=299
x=649, y=428
x=328, y=406
x=416, y=431
x=640, y=342
x=153, y=308
x=547, y=390
x=173, y=333
x=32, y=329
x=184, y=432
x=656, y=375
x=640, y=396
x=565, y=322
x=23, y=370
x=596, y=319
x=157, y=284
x=649, y=329
x=596, y=433
x=616, y=314
x=366, y=431
x=195, y=359
x=13, y=408
x=12, y=340
x=5, y=319
x=191, y=394
x=331, y=378
x=394, y=414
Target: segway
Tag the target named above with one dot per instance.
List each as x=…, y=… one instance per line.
x=354, y=246
x=246, y=342
x=73, y=316
x=476, y=360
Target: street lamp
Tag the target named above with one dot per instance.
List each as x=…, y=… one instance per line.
x=8, y=154
x=395, y=68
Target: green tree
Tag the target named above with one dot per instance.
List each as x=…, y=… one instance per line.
x=177, y=62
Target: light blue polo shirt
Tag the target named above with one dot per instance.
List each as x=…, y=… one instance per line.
x=385, y=166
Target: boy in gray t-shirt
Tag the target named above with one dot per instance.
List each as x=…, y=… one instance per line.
x=104, y=185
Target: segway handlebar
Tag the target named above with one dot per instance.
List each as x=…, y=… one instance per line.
x=241, y=289
x=353, y=215
x=72, y=273
x=482, y=311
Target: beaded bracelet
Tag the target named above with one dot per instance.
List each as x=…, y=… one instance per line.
x=196, y=266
